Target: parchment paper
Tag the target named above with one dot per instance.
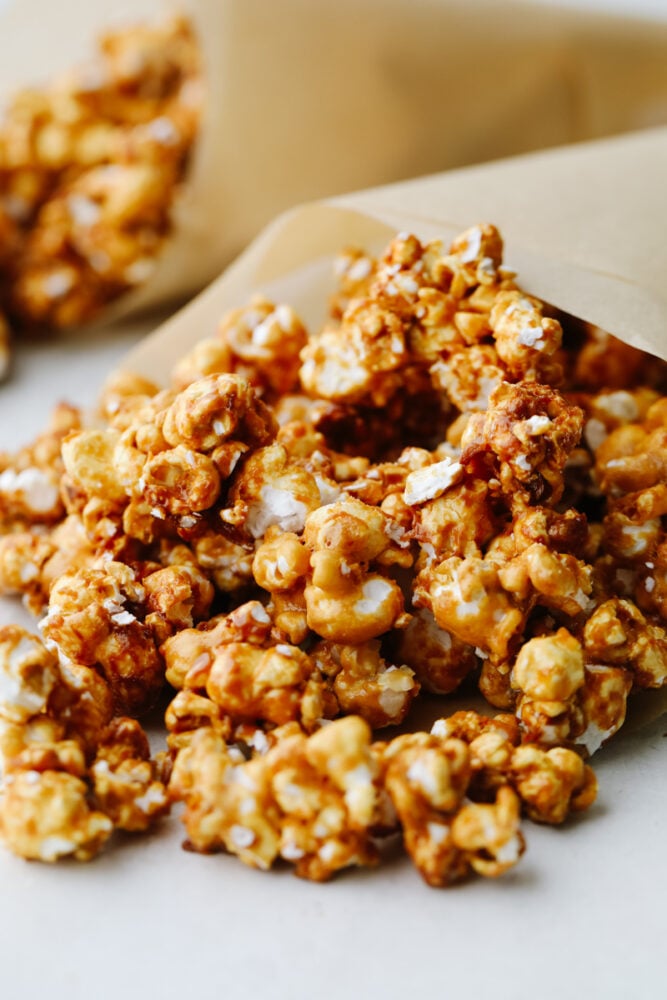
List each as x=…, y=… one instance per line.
x=309, y=99
x=584, y=226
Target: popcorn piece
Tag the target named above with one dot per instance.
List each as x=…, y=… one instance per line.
x=281, y=561
x=427, y=780
x=227, y=805
x=194, y=649
x=470, y=376
x=89, y=622
x=278, y=685
x=32, y=493
x=344, y=603
x=83, y=704
x=124, y=778
x=489, y=835
x=312, y=800
x=459, y=523
x=439, y=659
x=467, y=599
x=634, y=457
x=364, y=684
x=550, y=668
x=179, y=593
x=558, y=580
x=265, y=341
x=552, y=783
x=361, y=360
x=228, y=565
x=618, y=633
x=270, y=490
x=28, y=674
x=527, y=453
x=188, y=712
x=88, y=457
x=526, y=341
x=602, y=701
x=548, y=672
x=214, y=409
x=354, y=270
x=45, y=816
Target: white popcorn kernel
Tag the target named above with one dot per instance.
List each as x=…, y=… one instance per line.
x=473, y=247
x=509, y=852
x=419, y=774
x=39, y=493
x=537, y=424
x=163, y=130
x=84, y=211
x=531, y=336
x=360, y=269
x=57, y=284
x=595, y=433
x=290, y=852
x=619, y=405
x=276, y=506
x=376, y=592
x=431, y=482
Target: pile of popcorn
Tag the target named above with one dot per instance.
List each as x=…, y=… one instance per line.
x=89, y=171
x=446, y=488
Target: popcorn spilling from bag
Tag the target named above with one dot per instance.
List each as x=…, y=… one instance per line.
x=448, y=488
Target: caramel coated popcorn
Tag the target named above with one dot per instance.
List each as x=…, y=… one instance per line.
x=72, y=772
x=450, y=487
x=90, y=168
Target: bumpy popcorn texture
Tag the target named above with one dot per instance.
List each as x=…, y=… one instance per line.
x=448, y=487
x=90, y=168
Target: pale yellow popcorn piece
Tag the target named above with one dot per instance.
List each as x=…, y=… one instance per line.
x=125, y=783
x=525, y=339
x=344, y=602
x=439, y=659
x=28, y=674
x=361, y=359
x=365, y=684
x=551, y=783
x=313, y=800
x=88, y=457
x=489, y=835
x=550, y=668
x=45, y=816
x=467, y=599
x=617, y=633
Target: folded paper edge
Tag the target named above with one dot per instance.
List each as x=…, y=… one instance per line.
x=318, y=229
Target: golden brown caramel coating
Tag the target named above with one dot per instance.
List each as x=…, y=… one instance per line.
x=301, y=536
x=310, y=800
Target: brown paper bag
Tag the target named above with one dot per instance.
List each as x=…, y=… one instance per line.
x=309, y=99
x=584, y=226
